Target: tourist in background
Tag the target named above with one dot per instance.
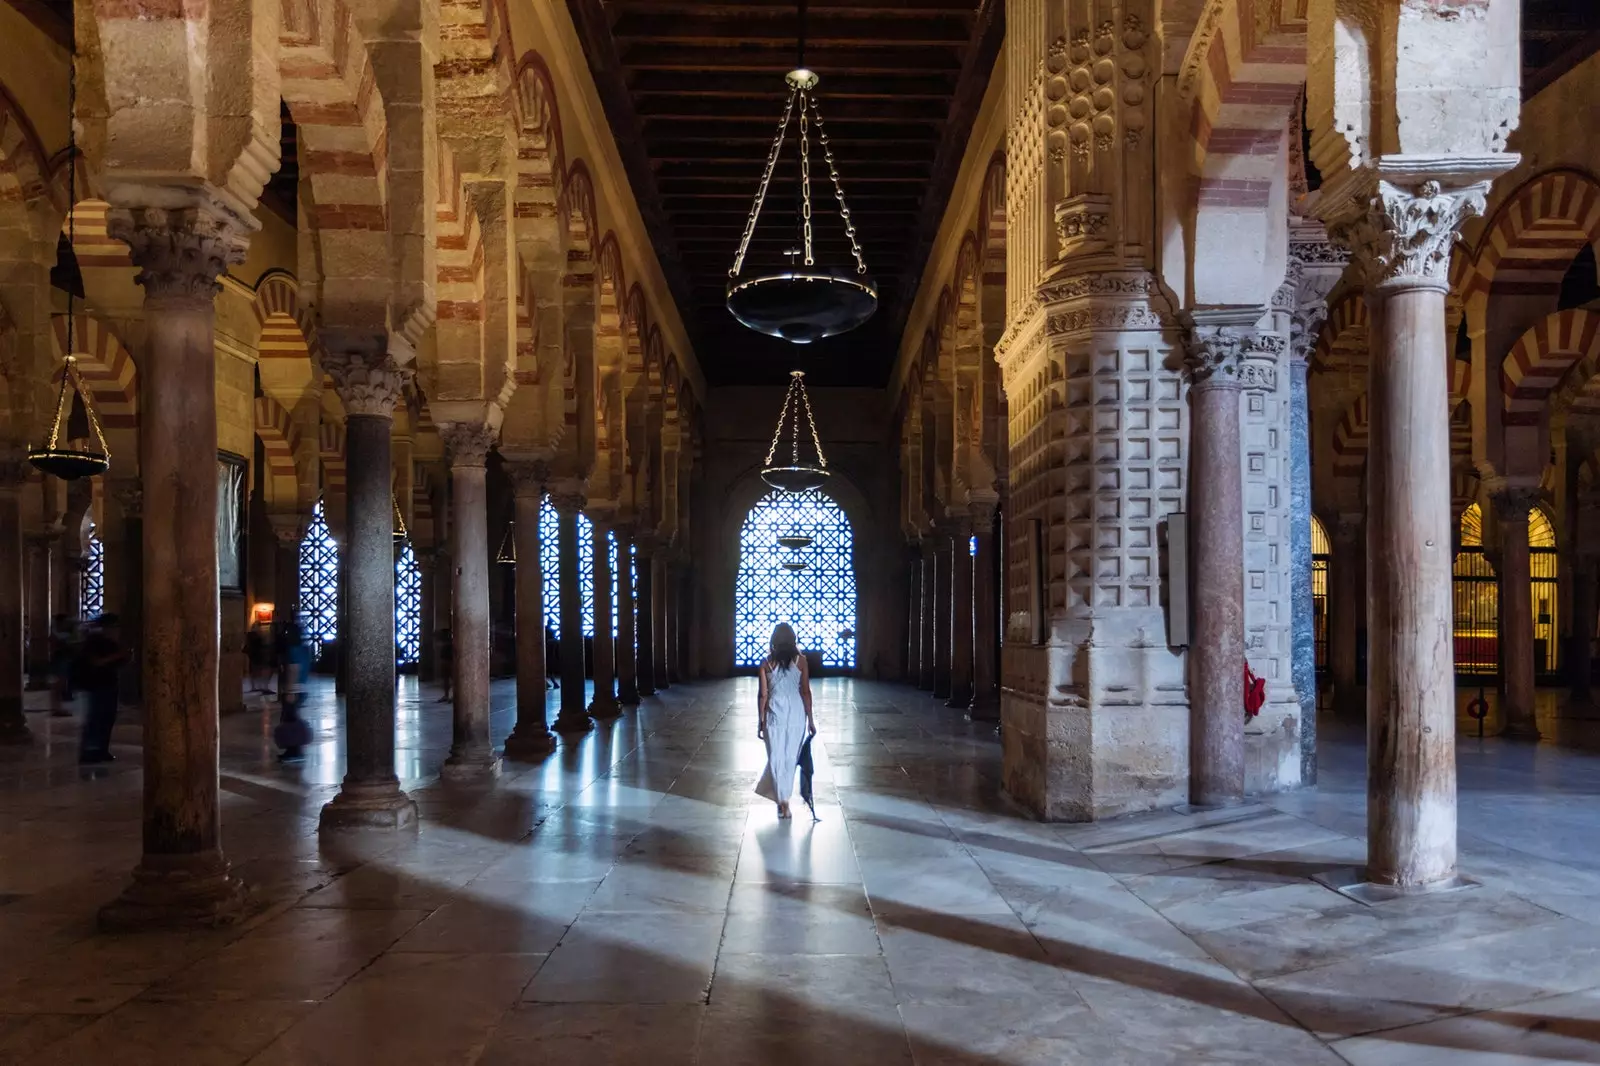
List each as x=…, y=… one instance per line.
x=102, y=658
x=293, y=732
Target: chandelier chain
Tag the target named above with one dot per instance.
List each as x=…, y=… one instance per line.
x=838, y=189
x=816, y=442
x=761, y=190
x=806, y=107
x=777, y=433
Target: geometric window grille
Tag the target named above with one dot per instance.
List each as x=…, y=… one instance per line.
x=1476, y=598
x=1543, y=565
x=93, y=588
x=550, y=564
x=319, y=581
x=1319, y=590
x=407, y=607
x=819, y=602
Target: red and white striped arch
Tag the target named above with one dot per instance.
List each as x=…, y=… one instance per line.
x=1532, y=238
x=541, y=155
x=1344, y=329
x=1350, y=437
x=92, y=245
x=330, y=446
x=106, y=367
x=24, y=173
x=280, y=440
x=287, y=328
x=460, y=244
x=1542, y=357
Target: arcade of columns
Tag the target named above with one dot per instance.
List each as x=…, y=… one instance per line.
x=1125, y=320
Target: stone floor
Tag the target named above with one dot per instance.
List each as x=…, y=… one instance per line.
x=630, y=902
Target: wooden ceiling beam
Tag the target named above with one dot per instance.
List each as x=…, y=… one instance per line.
x=768, y=111
x=780, y=29
x=757, y=7
x=778, y=61
x=738, y=84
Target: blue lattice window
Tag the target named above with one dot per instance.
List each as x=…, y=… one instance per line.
x=818, y=601
x=93, y=586
x=549, y=564
x=319, y=581
x=407, y=607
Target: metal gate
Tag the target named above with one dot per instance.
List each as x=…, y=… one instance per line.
x=1319, y=591
x=1476, y=596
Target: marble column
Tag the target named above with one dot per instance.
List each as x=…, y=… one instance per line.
x=1580, y=665
x=674, y=621
x=288, y=530
x=41, y=547
x=125, y=570
x=627, y=653
x=568, y=499
x=644, y=575
x=67, y=568
x=658, y=630
x=913, y=616
x=926, y=669
x=428, y=657
x=444, y=583
x=180, y=248
x=986, y=621
x=369, y=385
x=1216, y=559
x=943, y=602
x=472, y=758
x=1401, y=241
x=1511, y=507
x=531, y=737
x=13, y=476
x=1346, y=610
x=1303, y=625
x=961, y=627
x=604, y=704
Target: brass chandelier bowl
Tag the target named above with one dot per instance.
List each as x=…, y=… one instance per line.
x=797, y=474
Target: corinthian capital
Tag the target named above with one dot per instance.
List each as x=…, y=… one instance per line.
x=1402, y=236
x=182, y=241
x=367, y=380
x=1513, y=502
x=1215, y=356
x=468, y=443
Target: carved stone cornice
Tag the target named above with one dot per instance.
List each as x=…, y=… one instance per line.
x=368, y=381
x=182, y=243
x=467, y=444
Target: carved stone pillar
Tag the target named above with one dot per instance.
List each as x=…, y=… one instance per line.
x=627, y=651
x=662, y=590
x=568, y=499
x=1347, y=610
x=369, y=385
x=961, y=628
x=1512, y=505
x=943, y=605
x=180, y=249
x=41, y=548
x=472, y=758
x=13, y=726
x=926, y=668
x=986, y=620
x=1400, y=237
x=604, y=704
x=1216, y=559
x=531, y=737
x=644, y=576
x=1307, y=322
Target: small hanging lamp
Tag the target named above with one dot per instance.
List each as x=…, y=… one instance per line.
x=795, y=565
x=400, y=530
x=802, y=301
x=507, y=555
x=794, y=541
x=58, y=457
x=797, y=475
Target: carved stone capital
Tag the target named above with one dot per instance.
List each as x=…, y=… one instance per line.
x=1215, y=357
x=528, y=477
x=182, y=244
x=130, y=499
x=1083, y=225
x=467, y=443
x=1305, y=324
x=1402, y=235
x=1512, y=503
x=367, y=380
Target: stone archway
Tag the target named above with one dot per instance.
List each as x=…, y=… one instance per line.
x=819, y=601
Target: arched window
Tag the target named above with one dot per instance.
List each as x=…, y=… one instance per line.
x=819, y=601
x=93, y=587
x=319, y=581
x=1543, y=567
x=1477, y=597
x=1320, y=553
x=550, y=564
x=407, y=607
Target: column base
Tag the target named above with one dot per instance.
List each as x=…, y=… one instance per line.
x=961, y=699
x=605, y=708
x=369, y=805
x=628, y=697
x=567, y=722
x=176, y=892
x=470, y=767
x=530, y=743
x=1352, y=882
x=646, y=690
x=985, y=709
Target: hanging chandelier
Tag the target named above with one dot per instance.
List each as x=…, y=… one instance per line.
x=797, y=475
x=400, y=531
x=802, y=301
x=507, y=555
x=794, y=565
x=794, y=541
x=59, y=458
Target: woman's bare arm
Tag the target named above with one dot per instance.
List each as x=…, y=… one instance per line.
x=805, y=692
x=762, y=696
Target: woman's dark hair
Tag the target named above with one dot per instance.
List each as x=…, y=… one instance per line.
x=784, y=649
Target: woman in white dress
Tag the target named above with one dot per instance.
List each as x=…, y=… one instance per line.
x=784, y=715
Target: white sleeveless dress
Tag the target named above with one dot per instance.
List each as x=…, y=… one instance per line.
x=786, y=731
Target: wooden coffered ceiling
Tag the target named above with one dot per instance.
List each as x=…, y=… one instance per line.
x=694, y=89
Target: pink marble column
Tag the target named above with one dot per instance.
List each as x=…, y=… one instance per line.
x=1216, y=560
x=604, y=704
x=961, y=617
x=472, y=759
x=568, y=499
x=531, y=737
x=986, y=615
x=1512, y=505
x=13, y=475
x=644, y=577
x=182, y=878
x=1402, y=245
x=369, y=385
x=1346, y=610
x=627, y=653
